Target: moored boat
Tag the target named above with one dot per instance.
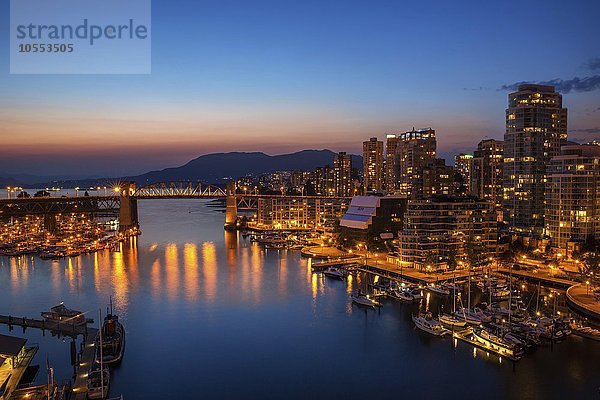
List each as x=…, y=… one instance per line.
x=496, y=343
x=61, y=313
x=98, y=382
x=430, y=325
x=110, y=343
x=451, y=320
x=334, y=273
x=365, y=301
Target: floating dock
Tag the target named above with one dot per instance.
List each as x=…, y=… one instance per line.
x=85, y=364
x=466, y=335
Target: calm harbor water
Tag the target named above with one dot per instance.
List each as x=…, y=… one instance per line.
x=208, y=314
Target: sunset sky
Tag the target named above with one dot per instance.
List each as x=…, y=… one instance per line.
x=280, y=76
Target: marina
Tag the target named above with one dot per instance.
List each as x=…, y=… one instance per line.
x=223, y=280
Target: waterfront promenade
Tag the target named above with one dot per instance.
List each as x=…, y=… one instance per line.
x=542, y=275
x=582, y=299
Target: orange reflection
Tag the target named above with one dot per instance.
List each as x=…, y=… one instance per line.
x=231, y=241
x=120, y=282
x=191, y=279
x=283, y=271
x=209, y=266
x=155, y=278
x=172, y=270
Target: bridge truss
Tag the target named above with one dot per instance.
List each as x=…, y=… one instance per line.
x=179, y=190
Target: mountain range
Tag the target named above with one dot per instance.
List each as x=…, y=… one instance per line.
x=209, y=168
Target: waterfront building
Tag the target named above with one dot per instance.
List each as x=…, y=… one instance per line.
x=391, y=165
x=573, y=197
x=416, y=150
x=536, y=127
x=299, y=214
x=436, y=231
x=486, y=171
x=373, y=165
x=342, y=174
x=372, y=220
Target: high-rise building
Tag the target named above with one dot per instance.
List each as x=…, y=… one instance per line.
x=342, y=174
x=486, y=171
x=437, y=231
x=324, y=181
x=416, y=150
x=536, y=127
x=439, y=180
x=373, y=165
x=391, y=168
x=463, y=164
x=573, y=197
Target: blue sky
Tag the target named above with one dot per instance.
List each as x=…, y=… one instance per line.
x=281, y=76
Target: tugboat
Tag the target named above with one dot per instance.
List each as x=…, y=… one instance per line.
x=110, y=343
x=61, y=313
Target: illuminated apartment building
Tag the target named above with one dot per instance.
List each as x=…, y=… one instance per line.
x=486, y=171
x=373, y=165
x=342, y=174
x=436, y=231
x=416, y=150
x=391, y=165
x=573, y=197
x=536, y=127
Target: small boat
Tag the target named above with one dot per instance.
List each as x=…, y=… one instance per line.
x=61, y=313
x=365, y=301
x=451, y=320
x=430, y=325
x=416, y=293
x=98, y=382
x=334, y=273
x=438, y=289
x=404, y=295
x=110, y=343
x=469, y=316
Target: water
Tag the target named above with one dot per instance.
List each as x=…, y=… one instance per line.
x=210, y=315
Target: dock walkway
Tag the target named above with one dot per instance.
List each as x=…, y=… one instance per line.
x=85, y=364
x=63, y=328
x=542, y=277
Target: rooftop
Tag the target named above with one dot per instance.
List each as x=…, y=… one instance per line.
x=11, y=345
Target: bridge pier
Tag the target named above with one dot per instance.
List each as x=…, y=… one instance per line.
x=231, y=207
x=128, y=212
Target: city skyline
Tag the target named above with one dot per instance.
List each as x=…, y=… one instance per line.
x=281, y=79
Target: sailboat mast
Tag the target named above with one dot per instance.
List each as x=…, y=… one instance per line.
x=101, y=356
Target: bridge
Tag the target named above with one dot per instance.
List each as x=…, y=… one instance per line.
x=124, y=202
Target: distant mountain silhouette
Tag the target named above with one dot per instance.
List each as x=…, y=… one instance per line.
x=213, y=168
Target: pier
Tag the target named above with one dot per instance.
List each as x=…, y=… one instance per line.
x=86, y=356
x=542, y=277
x=61, y=328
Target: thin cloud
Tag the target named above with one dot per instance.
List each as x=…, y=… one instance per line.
x=593, y=64
x=586, y=130
x=587, y=84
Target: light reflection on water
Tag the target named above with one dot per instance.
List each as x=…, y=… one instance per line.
x=232, y=320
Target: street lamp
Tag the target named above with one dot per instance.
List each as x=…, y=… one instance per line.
x=587, y=286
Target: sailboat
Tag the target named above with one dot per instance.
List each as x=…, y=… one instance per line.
x=430, y=325
x=451, y=319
